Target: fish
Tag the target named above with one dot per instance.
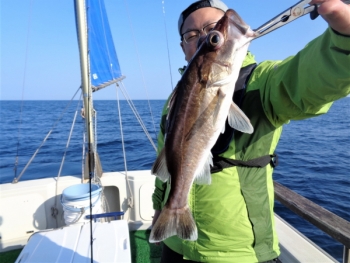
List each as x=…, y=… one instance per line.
x=197, y=113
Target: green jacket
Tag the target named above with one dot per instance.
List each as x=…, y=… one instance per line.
x=234, y=215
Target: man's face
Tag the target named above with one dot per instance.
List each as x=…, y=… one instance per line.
x=196, y=21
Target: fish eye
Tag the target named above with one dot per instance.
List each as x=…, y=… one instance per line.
x=215, y=39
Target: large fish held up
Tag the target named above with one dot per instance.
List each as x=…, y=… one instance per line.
x=198, y=109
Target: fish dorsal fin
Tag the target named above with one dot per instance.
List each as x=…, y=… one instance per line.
x=171, y=109
x=238, y=120
x=172, y=101
x=160, y=168
x=203, y=176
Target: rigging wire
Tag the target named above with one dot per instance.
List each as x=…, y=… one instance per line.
x=68, y=142
x=138, y=117
x=131, y=199
x=23, y=86
x=54, y=210
x=140, y=66
x=167, y=45
x=16, y=179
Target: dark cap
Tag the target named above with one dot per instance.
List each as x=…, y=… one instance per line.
x=197, y=5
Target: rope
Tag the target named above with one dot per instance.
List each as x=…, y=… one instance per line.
x=23, y=86
x=131, y=199
x=138, y=117
x=84, y=154
x=95, y=143
x=15, y=180
x=104, y=203
x=96, y=163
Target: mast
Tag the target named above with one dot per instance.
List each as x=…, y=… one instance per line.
x=85, y=80
x=82, y=33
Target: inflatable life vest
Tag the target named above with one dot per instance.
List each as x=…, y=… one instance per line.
x=224, y=140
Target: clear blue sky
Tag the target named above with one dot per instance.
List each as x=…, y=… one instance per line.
x=51, y=70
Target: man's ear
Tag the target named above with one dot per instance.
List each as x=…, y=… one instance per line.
x=183, y=49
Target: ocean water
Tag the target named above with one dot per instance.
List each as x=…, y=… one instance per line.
x=314, y=154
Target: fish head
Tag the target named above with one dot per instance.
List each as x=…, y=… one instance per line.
x=224, y=49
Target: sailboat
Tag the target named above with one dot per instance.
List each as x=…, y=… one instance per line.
x=125, y=195
x=42, y=225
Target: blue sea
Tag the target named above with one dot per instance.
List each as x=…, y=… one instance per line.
x=314, y=154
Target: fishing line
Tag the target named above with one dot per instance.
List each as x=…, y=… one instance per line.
x=23, y=86
x=167, y=45
x=139, y=61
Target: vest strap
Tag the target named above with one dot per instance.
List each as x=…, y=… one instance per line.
x=221, y=163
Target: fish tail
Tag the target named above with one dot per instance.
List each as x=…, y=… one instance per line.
x=173, y=222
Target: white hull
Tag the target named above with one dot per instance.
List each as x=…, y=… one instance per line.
x=26, y=208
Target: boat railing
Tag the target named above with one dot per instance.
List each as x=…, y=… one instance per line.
x=331, y=224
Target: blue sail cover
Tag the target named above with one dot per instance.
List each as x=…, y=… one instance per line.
x=104, y=65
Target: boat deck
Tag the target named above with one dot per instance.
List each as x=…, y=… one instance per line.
x=111, y=243
x=39, y=198
x=143, y=251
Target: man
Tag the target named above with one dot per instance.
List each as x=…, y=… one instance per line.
x=234, y=215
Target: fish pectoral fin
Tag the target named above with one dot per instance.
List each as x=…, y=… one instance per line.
x=218, y=102
x=203, y=176
x=238, y=120
x=160, y=168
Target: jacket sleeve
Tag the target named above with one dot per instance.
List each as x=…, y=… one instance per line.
x=304, y=85
x=160, y=187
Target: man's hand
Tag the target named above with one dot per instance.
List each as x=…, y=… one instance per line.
x=336, y=13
